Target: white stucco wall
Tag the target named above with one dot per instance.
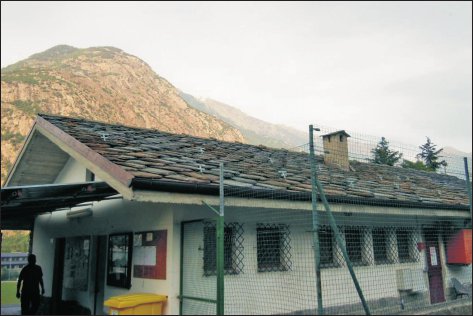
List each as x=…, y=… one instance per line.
x=108, y=217
x=250, y=291
x=278, y=292
x=72, y=172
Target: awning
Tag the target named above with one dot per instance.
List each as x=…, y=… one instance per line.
x=21, y=204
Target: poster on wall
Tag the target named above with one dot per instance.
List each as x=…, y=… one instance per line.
x=433, y=256
x=76, y=263
x=149, y=254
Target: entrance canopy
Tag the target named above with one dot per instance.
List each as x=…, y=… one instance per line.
x=21, y=204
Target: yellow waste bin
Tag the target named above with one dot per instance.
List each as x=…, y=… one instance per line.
x=136, y=304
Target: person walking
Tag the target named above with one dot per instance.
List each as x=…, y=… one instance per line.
x=32, y=278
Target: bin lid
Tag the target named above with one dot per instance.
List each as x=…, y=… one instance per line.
x=135, y=299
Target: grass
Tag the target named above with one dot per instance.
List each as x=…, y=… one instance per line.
x=9, y=292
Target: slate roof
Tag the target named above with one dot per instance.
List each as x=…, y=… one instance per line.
x=152, y=154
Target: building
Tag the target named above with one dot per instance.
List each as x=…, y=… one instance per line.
x=15, y=260
x=143, y=224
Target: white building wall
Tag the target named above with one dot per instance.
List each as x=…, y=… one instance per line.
x=72, y=172
x=285, y=291
x=108, y=217
x=250, y=291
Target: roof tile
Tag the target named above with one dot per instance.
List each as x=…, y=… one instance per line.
x=181, y=158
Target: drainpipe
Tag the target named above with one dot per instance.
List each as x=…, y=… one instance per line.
x=468, y=184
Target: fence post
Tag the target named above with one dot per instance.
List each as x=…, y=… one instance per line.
x=333, y=225
x=315, y=224
x=220, y=249
x=468, y=184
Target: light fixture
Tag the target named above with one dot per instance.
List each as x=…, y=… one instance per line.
x=79, y=213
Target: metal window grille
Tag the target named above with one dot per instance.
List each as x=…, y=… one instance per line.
x=355, y=245
x=326, y=241
x=405, y=242
x=233, y=248
x=380, y=245
x=273, y=247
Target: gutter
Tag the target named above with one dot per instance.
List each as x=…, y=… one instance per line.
x=234, y=191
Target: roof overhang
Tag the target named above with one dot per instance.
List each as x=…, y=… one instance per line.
x=20, y=205
x=150, y=185
x=47, y=140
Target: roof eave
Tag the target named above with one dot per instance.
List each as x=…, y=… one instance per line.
x=213, y=190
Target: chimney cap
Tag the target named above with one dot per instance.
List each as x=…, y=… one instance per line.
x=336, y=133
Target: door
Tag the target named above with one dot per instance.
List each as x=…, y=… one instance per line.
x=434, y=267
x=56, y=295
x=99, y=287
x=198, y=292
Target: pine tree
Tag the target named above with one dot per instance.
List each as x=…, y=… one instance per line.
x=383, y=155
x=431, y=156
x=418, y=165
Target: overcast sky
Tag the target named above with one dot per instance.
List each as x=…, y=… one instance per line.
x=400, y=70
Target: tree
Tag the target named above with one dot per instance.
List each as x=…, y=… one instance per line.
x=418, y=165
x=431, y=156
x=383, y=155
x=15, y=241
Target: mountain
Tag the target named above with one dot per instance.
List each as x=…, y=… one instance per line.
x=98, y=83
x=254, y=130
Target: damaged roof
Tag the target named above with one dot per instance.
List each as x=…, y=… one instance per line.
x=152, y=154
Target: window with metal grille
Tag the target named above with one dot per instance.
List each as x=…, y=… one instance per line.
x=354, y=244
x=273, y=247
x=233, y=248
x=380, y=245
x=404, y=242
x=326, y=247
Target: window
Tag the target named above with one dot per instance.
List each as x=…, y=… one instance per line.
x=273, y=247
x=89, y=175
x=233, y=248
x=380, y=245
x=341, y=138
x=405, y=245
x=120, y=248
x=354, y=244
x=326, y=247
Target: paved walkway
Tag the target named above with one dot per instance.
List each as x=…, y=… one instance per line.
x=11, y=310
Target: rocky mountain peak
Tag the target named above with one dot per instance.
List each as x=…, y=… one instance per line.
x=97, y=83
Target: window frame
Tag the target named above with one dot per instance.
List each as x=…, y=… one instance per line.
x=406, y=253
x=382, y=244
x=122, y=282
x=233, y=248
x=282, y=255
x=354, y=248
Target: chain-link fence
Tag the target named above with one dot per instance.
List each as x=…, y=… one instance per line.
x=402, y=230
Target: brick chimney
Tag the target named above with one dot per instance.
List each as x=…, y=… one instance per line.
x=336, y=149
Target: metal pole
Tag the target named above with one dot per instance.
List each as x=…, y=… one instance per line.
x=181, y=271
x=339, y=240
x=315, y=223
x=468, y=184
x=220, y=249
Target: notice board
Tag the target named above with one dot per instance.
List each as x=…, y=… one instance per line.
x=76, y=263
x=149, y=254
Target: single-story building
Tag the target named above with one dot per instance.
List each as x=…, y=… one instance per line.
x=116, y=210
x=14, y=260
